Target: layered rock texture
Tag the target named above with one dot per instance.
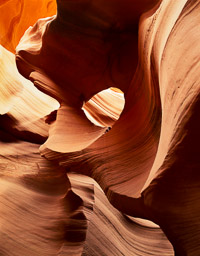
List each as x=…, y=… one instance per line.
x=99, y=127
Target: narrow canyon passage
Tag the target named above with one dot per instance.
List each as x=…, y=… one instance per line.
x=99, y=127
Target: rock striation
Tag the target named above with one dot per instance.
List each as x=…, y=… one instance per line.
x=56, y=148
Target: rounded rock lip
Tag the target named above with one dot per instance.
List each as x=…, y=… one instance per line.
x=142, y=222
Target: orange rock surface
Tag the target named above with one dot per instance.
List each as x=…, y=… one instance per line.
x=18, y=15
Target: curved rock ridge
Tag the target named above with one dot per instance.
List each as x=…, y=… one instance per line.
x=24, y=105
x=126, y=237
x=72, y=131
x=17, y=16
x=75, y=129
x=179, y=81
x=99, y=53
x=177, y=164
x=9, y=86
x=43, y=212
x=147, y=164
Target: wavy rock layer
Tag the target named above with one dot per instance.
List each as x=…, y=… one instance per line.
x=111, y=233
x=147, y=165
x=99, y=53
x=45, y=212
x=105, y=108
x=24, y=105
x=42, y=211
x=17, y=16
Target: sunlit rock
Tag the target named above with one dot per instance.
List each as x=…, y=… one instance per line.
x=147, y=165
x=18, y=15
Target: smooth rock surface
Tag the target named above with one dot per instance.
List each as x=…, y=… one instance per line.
x=147, y=165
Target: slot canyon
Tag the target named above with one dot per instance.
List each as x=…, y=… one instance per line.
x=99, y=127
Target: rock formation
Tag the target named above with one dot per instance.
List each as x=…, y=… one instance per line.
x=100, y=127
